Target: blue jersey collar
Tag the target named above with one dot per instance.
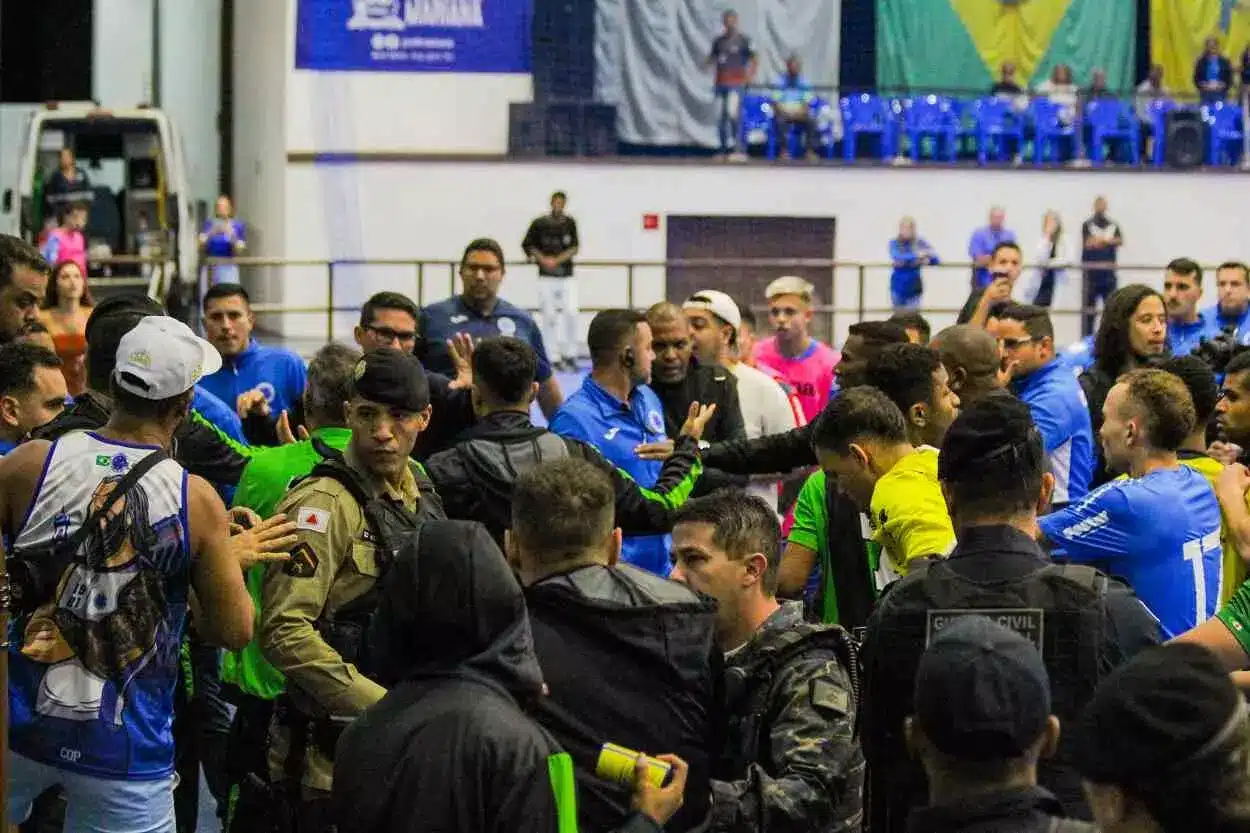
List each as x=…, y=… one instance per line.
x=1038, y=376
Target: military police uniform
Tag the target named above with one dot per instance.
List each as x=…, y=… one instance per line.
x=316, y=606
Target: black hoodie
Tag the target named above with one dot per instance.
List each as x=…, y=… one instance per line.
x=450, y=748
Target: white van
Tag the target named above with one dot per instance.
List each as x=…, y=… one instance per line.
x=140, y=204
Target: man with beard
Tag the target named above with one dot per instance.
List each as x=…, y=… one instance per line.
x=93, y=675
x=1182, y=291
x=679, y=379
x=23, y=282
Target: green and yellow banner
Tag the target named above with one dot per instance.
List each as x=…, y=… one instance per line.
x=957, y=46
x=1179, y=29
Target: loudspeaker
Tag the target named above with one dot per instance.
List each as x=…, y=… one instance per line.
x=1185, y=139
x=561, y=129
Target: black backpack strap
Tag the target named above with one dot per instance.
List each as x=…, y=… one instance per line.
x=1084, y=575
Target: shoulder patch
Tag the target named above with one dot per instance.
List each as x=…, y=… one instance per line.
x=828, y=696
x=313, y=520
x=303, y=563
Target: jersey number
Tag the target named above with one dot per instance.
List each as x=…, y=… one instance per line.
x=1194, y=552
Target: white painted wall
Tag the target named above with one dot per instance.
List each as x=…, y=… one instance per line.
x=431, y=209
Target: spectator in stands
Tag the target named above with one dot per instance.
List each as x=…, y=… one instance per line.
x=983, y=302
x=68, y=241
x=261, y=382
x=1050, y=257
x=1006, y=85
x=1213, y=73
x=916, y=325
x=223, y=236
x=551, y=241
x=1182, y=290
x=984, y=241
x=66, y=308
x=65, y=186
x=1245, y=73
x=805, y=363
x=1098, y=86
x=909, y=254
x=1232, y=310
x=792, y=99
x=1101, y=238
x=479, y=312
x=32, y=391
x=23, y=286
x=1061, y=90
x=735, y=64
x=1149, y=90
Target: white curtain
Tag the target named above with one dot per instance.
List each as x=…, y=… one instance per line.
x=649, y=59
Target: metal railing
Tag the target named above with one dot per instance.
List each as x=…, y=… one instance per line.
x=867, y=298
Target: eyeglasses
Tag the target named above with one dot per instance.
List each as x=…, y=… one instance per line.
x=387, y=334
x=1013, y=343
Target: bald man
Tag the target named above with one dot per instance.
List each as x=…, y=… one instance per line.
x=679, y=379
x=972, y=360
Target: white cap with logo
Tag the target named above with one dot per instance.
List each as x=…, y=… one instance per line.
x=717, y=303
x=162, y=358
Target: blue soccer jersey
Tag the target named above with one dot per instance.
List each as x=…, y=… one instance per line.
x=1161, y=533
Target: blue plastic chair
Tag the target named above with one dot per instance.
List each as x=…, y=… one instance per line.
x=1158, y=110
x=965, y=126
x=1224, y=133
x=1111, y=120
x=757, y=125
x=997, y=121
x=821, y=111
x=931, y=116
x=1049, y=131
x=866, y=115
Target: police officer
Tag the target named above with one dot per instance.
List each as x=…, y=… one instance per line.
x=352, y=512
x=992, y=470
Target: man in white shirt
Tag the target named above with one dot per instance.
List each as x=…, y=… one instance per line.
x=714, y=321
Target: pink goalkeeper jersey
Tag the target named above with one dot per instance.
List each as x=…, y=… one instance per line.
x=811, y=374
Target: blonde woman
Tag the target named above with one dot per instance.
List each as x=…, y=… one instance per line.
x=1049, y=260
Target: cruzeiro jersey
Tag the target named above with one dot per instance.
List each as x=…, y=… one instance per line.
x=1161, y=533
x=92, y=672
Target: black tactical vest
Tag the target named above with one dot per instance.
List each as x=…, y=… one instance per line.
x=1060, y=608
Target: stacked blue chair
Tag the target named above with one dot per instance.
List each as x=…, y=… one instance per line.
x=931, y=116
x=997, y=121
x=1050, y=131
x=866, y=115
x=1224, y=133
x=1110, y=120
x=1158, y=110
x=757, y=124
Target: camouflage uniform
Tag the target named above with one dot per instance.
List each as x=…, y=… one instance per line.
x=792, y=760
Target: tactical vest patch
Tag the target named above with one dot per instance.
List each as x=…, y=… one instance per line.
x=1027, y=621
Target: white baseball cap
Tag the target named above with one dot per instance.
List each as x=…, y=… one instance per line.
x=790, y=285
x=717, y=303
x=162, y=358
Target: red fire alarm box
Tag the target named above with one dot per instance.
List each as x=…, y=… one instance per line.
x=650, y=222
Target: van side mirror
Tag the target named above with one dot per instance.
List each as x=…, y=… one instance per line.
x=7, y=202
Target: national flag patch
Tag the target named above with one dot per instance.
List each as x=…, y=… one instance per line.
x=313, y=520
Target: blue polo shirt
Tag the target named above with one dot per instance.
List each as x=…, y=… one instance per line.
x=279, y=373
x=1059, y=410
x=441, y=321
x=595, y=416
x=1183, y=338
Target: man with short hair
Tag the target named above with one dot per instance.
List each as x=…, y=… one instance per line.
x=616, y=411
x=594, y=620
x=680, y=379
x=916, y=325
x=1101, y=238
x=1160, y=528
x=479, y=313
x=476, y=478
x=1231, y=312
x=95, y=669
x=1054, y=397
x=807, y=364
x=984, y=243
x=388, y=319
x=735, y=63
x=791, y=760
x=1232, y=486
x=972, y=360
x=23, y=284
x=551, y=241
x=32, y=391
x=993, y=478
x=982, y=723
x=261, y=382
x=1005, y=265
x=863, y=341
x=1182, y=291
x=352, y=513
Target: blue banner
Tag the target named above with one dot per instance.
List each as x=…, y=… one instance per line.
x=413, y=35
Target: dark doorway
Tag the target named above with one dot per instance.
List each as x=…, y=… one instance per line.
x=45, y=51
x=754, y=238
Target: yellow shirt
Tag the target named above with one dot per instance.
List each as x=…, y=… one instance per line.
x=909, y=517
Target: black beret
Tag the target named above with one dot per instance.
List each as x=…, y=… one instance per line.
x=392, y=378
